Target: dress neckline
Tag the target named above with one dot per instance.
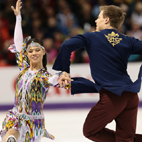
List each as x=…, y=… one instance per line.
x=29, y=70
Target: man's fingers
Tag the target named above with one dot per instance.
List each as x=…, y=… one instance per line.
x=69, y=79
x=66, y=78
x=66, y=74
x=63, y=80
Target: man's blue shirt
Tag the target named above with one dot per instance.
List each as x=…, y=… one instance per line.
x=108, y=52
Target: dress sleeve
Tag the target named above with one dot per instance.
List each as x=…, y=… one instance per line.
x=21, y=57
x=51, y=80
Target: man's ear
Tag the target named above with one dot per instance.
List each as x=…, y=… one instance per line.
x=107, y=20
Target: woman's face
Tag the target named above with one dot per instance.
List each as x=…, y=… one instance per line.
x=35, y=54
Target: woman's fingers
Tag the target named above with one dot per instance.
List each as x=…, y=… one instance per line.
x=18, y=7
x=12, y=8
x=17, y=4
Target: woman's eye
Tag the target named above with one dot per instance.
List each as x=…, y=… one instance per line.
x=37, y=50
x=30, y=51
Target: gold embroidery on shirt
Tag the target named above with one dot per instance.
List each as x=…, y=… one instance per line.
x=113, y=38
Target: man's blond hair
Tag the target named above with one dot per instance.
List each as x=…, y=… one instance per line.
x=115, y=14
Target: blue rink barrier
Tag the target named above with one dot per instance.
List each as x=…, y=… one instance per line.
x=61, y=106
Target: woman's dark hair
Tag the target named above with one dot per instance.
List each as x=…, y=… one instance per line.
x=44, y=60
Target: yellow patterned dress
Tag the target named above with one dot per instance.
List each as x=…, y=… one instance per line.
x=31, y=91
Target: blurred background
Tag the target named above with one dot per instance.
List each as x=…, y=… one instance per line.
x=54, y=21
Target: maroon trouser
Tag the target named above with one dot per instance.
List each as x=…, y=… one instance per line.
x=122, y=109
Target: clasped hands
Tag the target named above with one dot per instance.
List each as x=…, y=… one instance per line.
x=64, y=79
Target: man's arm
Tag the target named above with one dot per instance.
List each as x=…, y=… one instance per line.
x=136, y=46
x=62, y=62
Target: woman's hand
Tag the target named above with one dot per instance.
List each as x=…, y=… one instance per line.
x=18, y=7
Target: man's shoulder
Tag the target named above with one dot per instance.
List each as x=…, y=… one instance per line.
x=91, y=33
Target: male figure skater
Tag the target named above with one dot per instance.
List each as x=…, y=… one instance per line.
x=108, y=52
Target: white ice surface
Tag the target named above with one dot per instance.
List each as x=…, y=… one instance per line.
x=66, y=125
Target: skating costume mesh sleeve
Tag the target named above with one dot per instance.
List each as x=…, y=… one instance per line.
x=19, y=46
x=51, y=80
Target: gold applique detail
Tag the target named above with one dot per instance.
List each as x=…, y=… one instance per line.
x=113, y=38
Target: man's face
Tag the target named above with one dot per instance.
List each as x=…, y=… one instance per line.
x=100, y=22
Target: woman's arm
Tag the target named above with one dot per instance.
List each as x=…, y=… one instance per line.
x=18, y=34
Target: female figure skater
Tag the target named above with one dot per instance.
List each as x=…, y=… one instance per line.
x=25, y=122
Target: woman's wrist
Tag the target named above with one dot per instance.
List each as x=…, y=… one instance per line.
x=18, y=17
